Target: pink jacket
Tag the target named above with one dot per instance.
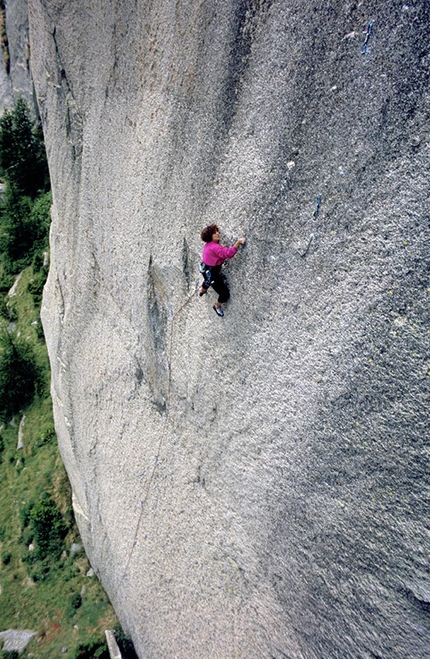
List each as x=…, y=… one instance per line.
x=214, y=254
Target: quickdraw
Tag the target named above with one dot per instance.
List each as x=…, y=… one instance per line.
x=317, y=207
x=368, y=33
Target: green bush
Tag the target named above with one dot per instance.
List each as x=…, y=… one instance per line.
x=20, y=377
x=29, y=558
x=17, y=231
x=10, y=654
x=40, y=572
x=39, y=331
x=46, y=437
x=4, y=311
x=40, y=218
x=12, y=313
x=6, y=557
x=6, y=282
x=26, y=537
x=125, y=644
x=35, y=287
x=25, y=514
x=76, y=601
x=95, y=648
x=48, y=527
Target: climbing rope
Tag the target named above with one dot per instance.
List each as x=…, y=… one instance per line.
x=173, y=316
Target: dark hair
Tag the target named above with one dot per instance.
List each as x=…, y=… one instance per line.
x=208, y=232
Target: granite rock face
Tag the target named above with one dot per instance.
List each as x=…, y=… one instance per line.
x=15, y=75
x=253, y=486
x=17, y=81
x=5, y=91
x=15, y=639
x=14, y=60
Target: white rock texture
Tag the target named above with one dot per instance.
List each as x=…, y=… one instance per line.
x=114, y=651
x=18, y=82
x=16, y=639
x=20, y=444
x=253, y=486
x=15, y=79
x=6, y=102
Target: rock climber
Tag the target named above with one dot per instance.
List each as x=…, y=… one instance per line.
x=213, y=257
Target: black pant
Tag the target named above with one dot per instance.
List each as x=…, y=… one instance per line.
x=218, y=282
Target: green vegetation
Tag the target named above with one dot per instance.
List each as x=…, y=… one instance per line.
x=26, y=202
x=43, y=584
x=19, y=374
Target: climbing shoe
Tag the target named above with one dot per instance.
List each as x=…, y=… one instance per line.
x=219, y=311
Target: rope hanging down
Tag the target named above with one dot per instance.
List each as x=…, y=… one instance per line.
x=173, y=316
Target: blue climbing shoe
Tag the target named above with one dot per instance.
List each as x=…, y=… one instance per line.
x=219, y=311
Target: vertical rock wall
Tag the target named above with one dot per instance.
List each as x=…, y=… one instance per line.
x=254, y=486
x=15, y=76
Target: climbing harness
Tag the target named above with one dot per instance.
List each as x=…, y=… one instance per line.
x=210, y=273
x=173, y=315
x=207, y=275
x=368, y=33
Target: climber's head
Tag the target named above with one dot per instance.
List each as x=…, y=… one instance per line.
x=207, y=235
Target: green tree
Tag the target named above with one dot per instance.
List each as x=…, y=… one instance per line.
x=41, y=217
x=17, y=232
x=22, y=152
x=24, y=208
x=95, y=648
x=48, y=528
x=24, y=228
x=20, y=377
